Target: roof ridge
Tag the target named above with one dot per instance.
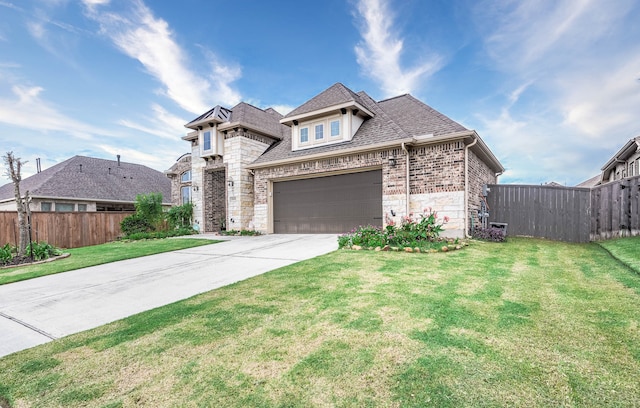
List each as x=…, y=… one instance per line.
x=395, y=97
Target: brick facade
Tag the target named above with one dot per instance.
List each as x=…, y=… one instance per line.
x=479, y=175
x=182, y=164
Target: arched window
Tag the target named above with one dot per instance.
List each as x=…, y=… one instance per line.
x=186, y=176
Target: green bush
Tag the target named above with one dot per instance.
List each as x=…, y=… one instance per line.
x=6, y=254
x=135, y=224
x=42, y=250
x=411, y=233
x=180, y=216
x=243, y=233
x=149, y=207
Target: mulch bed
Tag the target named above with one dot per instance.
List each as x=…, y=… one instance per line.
x=27, y=260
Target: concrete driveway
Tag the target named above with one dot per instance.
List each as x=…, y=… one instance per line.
x=39, y=310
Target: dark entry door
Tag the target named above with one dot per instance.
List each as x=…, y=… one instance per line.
x=331, y=204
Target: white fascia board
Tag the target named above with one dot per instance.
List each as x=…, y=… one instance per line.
x=328, y=109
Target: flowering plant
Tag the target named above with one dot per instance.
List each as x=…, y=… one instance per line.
x=412, y=232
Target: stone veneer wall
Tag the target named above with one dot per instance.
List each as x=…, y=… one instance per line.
x=241, y=147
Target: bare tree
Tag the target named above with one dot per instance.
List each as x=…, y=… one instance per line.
x=14, y=168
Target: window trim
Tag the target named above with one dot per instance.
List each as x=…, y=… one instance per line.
x=305, y=142
x=182, y=195
x=182, y=176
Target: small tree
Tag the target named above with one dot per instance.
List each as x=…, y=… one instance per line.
x=148, y=216
x=14, y=170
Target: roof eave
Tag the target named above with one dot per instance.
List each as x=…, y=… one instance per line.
x=288, y=120
x=233, y=125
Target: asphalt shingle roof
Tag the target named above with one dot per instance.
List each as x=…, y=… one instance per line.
x=99, y=179
x=334, y=95
x=396, y=118
x=265, y=121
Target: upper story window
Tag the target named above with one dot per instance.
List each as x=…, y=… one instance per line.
x=206, y=140
x=186, y=176
x=304, y=135
x=335, y=128
x=319, y=132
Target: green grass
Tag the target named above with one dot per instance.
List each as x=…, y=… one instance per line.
x=528, y=323
x=97, y=255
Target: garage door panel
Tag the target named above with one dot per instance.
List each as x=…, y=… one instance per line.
x=332, y=204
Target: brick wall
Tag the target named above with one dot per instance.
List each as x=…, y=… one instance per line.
x=479, y=175
x=437, y=168
x=174, y=174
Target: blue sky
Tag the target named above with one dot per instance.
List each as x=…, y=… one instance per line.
x=553, y=87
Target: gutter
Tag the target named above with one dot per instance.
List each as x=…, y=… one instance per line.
x=466, y=186
x=407, y=190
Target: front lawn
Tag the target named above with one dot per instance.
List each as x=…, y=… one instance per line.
x=526, y=323
x=99, y=254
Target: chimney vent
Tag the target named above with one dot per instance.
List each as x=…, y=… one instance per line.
x=118, y=160
x=80, y=167
x=38, y=167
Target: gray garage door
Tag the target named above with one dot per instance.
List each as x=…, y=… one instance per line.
x=323, y=205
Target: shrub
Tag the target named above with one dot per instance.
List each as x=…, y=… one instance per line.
x=6, y=254
x=492, y=234
x=135, y=224
x=411, y=233
x=180, y=216
x=42, y=250
x=149, y=207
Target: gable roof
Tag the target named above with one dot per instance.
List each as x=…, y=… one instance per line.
x=395, y=120
x=216, y=114
x=91, y=179
x=335, y=95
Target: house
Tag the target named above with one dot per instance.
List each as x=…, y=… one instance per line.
x=88, y=184
x=337, y=161
x=625, y=163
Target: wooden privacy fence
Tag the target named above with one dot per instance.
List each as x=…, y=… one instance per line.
x=64, y=230
x=571, y=214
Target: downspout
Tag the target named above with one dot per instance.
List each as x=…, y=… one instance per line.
x=408, y=192
x=466, y=186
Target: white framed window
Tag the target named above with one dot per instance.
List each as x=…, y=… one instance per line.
x=82, y=208
x=319, y=131
x=334, y=128
x=206, y=140
x=186, y=176
x=304, y=135
x=45, y=206
x=185, y=192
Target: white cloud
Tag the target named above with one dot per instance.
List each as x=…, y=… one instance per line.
x=150, y=40
x=163, y=124
x=28, y=110
x=379, y=53
x=579, y=66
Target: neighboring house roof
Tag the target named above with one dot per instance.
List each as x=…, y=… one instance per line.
x=630, y=148
x=592, y=182
x=91, y=179
x=337, y=94
x=394, y=120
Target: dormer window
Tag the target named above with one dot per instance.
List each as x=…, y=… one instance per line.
x=319, y=128
x=304, y=135
x=335, y=128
